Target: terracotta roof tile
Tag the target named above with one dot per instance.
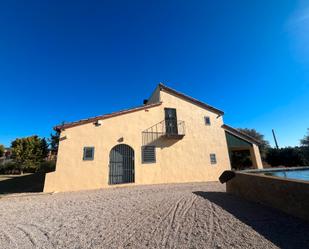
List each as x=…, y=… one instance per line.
x=162, y=87
x=105, y=116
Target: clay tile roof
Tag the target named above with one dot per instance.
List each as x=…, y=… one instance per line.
x=190, y=99
x=240, y=134
x=162, y=87
x=105, y=116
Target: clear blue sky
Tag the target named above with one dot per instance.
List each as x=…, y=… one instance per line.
x=68, y=60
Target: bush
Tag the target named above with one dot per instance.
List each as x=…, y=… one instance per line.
x=9, y=168
x=29, y=153
x=1, y=150
x=241, y=159
x=305, y=154
x=14, y=168
x=47, y=166
x=289, y=156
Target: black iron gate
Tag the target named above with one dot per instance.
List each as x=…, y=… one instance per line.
x=121, y=164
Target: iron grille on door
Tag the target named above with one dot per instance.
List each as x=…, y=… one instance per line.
x=121, y=164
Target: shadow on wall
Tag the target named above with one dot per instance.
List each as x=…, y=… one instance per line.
x=163, y=142
x=22, y=184
x=281, y=229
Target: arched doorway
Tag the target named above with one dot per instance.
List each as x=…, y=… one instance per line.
x=121, y=164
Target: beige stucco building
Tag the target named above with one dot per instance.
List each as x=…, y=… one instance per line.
x=172, y=138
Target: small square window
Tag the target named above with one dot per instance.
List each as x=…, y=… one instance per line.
x=149, y=154
x=207, y=120
x=88, y=153
x=213, y=159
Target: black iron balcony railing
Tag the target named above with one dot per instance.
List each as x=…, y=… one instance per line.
x=171, y=129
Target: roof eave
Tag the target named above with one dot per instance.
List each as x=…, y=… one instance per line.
x=240, y=134
x=106, y=116
x=193, y=100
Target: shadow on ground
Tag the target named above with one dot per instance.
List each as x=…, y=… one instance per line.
x=21, y=184
x=281, y=229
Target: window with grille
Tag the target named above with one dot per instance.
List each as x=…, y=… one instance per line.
x=207, y=120
x=213, y=159
x=88, y=153
x=149, y=154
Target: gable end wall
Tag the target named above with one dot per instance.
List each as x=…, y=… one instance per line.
x=177, y=161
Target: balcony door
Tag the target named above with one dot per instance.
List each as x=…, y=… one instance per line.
x=171, y=121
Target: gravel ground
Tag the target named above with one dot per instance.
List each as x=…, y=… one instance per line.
x=162, y=216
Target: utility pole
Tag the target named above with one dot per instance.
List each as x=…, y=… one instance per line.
x=274, y=135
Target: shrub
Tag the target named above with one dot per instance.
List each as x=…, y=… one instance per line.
x=289, y=156
x=241, y=159
x=47, y=166
x=1, y=150
x=9, y=168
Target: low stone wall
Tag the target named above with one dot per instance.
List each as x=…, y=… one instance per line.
x=290, y=196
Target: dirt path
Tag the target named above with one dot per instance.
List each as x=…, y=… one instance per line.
x=163, y=216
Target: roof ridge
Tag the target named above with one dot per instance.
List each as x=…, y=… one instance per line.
x=189, y=98
x=125, y=111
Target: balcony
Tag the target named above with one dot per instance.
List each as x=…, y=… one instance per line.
x=168, y=129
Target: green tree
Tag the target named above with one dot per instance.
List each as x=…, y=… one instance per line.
x=1, y=150
x=305, y=147
x=289, y=156
x=264, y=144
x=29, y=152
x=305, y=140
x=54, y=142
x=43, y=148
x=241, y=159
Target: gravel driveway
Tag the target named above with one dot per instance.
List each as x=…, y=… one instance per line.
x=162, y=216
